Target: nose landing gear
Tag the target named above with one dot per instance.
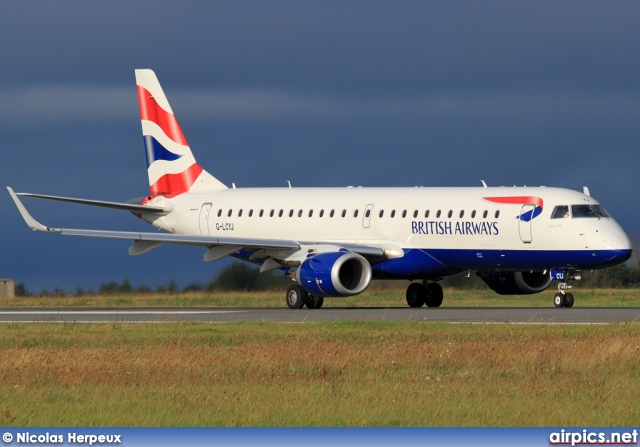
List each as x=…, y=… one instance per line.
x=564, y=298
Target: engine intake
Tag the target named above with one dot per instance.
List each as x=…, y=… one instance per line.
x=334, y=274
x=516, y=283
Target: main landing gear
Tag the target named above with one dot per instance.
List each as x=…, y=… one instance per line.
x=420, y=294
x=297, y=298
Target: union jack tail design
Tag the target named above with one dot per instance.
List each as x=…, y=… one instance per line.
x=171, y=166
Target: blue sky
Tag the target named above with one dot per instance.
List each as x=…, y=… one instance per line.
x=368, y=93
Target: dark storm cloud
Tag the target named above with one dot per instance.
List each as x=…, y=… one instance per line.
x=319, y=93
x=351, y=47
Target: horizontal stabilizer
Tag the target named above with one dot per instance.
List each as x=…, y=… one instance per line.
x=114, y=205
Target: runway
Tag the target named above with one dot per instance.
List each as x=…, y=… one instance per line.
x=284, y=315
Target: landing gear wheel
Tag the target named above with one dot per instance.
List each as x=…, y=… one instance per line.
x=296, y=296
x=435, y=295
x=568, y=300
x=560, y=299
x=416, y=294
x=314, y=302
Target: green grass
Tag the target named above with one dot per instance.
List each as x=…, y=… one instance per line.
x=318, y=374
x=375, y=297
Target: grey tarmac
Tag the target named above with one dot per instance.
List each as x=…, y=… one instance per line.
x=520, y=315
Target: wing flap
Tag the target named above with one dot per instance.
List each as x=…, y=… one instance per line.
x=184, y=239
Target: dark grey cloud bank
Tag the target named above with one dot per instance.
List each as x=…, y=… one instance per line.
x=319, y=93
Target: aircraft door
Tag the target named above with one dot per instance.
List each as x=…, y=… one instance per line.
x=204, y=219
x=366, y=219
x=525, y=225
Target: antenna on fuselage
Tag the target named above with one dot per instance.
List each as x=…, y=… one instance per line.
x=483, y=183
x=289, y=183
x=585, y=191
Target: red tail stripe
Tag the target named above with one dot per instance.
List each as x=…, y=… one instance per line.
x=172, y=184
x=151, y=111
x=516, y=200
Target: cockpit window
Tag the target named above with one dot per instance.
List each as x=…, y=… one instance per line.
x=602, y=211
x=560, y=212
x=592, y=211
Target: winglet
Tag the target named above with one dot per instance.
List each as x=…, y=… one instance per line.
x=33, y=224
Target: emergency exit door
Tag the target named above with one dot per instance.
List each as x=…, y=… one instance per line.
x=525, y=221
x=204, y=219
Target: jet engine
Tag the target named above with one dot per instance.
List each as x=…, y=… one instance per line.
x=334, y=274
x=516, y=283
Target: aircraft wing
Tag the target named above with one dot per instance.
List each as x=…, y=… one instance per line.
x=144, y=242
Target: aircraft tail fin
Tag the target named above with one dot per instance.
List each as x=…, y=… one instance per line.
x=171, y=166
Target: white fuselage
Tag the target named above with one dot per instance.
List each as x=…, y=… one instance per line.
x=458, y=227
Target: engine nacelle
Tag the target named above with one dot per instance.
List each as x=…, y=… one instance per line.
x=334, y=274
x=516, y=283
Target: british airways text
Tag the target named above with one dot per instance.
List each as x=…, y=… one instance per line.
x=444, y=227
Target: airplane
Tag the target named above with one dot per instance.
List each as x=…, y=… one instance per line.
x=332, y=242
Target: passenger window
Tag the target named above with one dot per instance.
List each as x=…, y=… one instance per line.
x=484, y=215
x=250, y=213
x=219, y=213
x=321, y=213
x=450, y=214
x=344, y=213
x=280, y=213
x=355, y=213
x=229, y=213
x=560, y=212
x=393, y=213
x=415, y=214
x=426, y=214
x=240, y=213
x=381, y=213
x=300, y=213
x=438, y=214
x=367, y=213
x=261, y=213
x=461, y=214
x=404, y=214
x=331, y=213
x=310, y=213
x=271, y=213
x=497, y=214
x=290, y=213
x=473, y=214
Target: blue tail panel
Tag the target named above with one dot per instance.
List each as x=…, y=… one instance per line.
x=156, y=151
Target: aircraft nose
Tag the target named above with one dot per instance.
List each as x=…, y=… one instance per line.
x=619, y=240
x=619, y=243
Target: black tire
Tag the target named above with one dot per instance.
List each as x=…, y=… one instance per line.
x=435, y=295
x=568, y=300
x=416, y=294
x=296, y=296
x=314, y=302
x=559, y=299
